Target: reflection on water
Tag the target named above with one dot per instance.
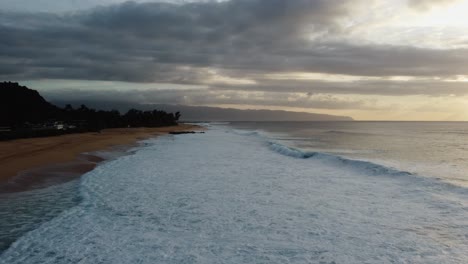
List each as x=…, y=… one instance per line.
x=434, y=149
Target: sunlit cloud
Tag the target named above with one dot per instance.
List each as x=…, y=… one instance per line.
x=403, y=59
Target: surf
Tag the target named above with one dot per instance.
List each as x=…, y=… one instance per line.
x=232, y=198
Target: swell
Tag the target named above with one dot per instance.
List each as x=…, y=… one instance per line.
x=361, y=166
x=366, y=166
x=339, y=132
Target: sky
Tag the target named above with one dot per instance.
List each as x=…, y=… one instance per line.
x=368, y=59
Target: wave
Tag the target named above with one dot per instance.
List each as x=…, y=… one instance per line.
x=218, y=123
x=341, y=132
x=337, y=132
x=365, y=166
x=455, y=132
x=369, y=167
x=458, y=132
x=246, y=132
x=361, y=166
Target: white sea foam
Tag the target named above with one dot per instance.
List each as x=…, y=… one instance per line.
x=222, y=197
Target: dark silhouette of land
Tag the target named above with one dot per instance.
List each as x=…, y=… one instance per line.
x=25, y=113
x=204, y=113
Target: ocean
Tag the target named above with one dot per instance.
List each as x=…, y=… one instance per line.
x=430, y=149
x=269, y=192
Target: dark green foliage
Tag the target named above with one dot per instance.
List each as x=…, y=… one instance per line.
x=25, y=113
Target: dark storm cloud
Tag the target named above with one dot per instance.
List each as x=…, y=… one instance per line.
x=151, y=41
x=104, y=42
x=214, y=21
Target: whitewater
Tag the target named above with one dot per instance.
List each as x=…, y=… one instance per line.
x=231, y=196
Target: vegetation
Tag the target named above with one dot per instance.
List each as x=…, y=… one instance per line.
x=25, y=113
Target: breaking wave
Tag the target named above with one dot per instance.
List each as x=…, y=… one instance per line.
x=367, y=166
x=360, y=166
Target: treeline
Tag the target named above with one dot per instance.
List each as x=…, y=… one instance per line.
x=96, y=120
x=25, y=113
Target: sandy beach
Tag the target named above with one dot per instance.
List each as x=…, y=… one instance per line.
x=21, y=155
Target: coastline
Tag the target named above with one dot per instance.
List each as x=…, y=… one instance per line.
x=71, y=155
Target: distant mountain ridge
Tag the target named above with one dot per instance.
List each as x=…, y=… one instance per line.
x=25, y=113
x=19, y=104
x=204, y=113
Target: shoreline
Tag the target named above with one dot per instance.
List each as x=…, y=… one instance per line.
x=29, y=162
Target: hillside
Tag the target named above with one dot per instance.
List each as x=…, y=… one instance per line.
x=19, y=104
x=25, y=113
x=203, y=113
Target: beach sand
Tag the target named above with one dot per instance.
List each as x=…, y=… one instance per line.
x=39, y=157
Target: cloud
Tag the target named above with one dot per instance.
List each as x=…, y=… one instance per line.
x=139, y=42
x=426, y=4
x=158, y=42
x=57, y=6
x=379, y=87
x=228, y=47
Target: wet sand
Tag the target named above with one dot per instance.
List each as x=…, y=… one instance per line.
x=27, y=162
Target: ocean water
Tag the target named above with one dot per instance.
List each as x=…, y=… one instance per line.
x=430, y=149
x=248, y=193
